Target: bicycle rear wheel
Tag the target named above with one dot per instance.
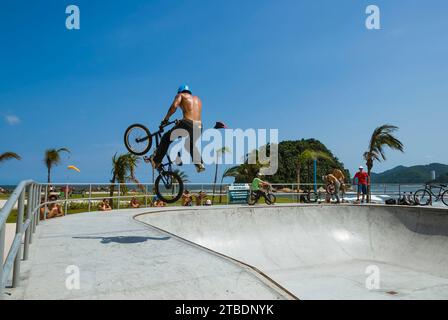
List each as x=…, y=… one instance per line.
x=312, y=196
x=331, y=189
x=138, y=139
x=445, y=198
x=422, y=197
x=169, y=187
x=252, y=199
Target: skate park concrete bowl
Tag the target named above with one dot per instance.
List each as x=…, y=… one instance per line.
x=326, y=251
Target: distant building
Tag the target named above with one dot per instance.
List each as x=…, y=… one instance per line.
x=433, y=175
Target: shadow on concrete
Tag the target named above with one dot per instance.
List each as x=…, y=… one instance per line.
x=123, y=239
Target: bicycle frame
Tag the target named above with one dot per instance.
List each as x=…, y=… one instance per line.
x=437, y=196
x=167, y=167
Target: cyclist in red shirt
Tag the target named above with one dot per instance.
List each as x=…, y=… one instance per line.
x=363, y=182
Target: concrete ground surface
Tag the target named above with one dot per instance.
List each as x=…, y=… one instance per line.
x=328, y=252
x=121, y=258
x=241, y=252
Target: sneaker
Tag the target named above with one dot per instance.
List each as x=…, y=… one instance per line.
x=199, y=168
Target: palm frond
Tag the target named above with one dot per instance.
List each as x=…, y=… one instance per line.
x=382, y=136
x=308, y=155
x=8, y=156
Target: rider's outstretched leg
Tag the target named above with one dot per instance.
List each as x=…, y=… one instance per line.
x=194, y=129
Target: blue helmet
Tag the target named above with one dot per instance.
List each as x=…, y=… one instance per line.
x=184, y=88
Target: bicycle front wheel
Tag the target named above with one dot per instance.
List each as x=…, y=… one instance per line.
x=138, y=139
x=445, y=198
x=422, y=197
x=270, y=199
x=169, y=187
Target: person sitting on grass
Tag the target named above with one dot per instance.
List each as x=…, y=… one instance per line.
x=55, y=209
x=134, y=203
x=187, y=199
x=200, y=197
x=156, y=202
x=104, y=206
x=42, y=209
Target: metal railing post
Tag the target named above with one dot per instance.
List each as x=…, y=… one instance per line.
x=146, y=196
x=2, y=249
x=66, y=198
x=37, y=207
x=90, y=196
x=46, y=200
x=28, y=233
x=33, y=221
x=119, y=196
x=19, y=230
x=36, y=199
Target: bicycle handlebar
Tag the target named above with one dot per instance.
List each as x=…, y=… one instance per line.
x=162, y=126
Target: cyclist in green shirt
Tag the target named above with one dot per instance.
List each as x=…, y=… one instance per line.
x=258, y=184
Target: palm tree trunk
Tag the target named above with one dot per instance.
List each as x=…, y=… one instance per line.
x=153, y=176
x=112, y=191
x=220, y=191
x=369, y=190
x=214, y=181
x=298, y=179
x=309, y=171
x=49, y=175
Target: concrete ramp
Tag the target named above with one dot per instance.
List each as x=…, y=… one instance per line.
x=327, y=252
x=112, y=256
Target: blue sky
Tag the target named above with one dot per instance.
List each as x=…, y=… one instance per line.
x=308, y=68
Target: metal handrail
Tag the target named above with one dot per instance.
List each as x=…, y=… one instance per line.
x=26, y=192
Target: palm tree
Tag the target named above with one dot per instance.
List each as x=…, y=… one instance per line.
x=229, y=172
x=182, y=175
x=382, y=137
x=306, y=157
x=123, y=170
x=9, y=155
x=53, y=158
x=219, y=154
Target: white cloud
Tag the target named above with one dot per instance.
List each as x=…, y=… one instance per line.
x=12, y=119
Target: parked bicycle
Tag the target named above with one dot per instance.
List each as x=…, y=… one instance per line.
x=426, y=196
x=269, y=197
x=312, y=196
x=169, y=186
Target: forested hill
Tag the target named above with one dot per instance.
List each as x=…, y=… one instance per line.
x=288, y=155
x=414, y=174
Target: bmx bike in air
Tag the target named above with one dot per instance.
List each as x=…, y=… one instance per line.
x=169, y=186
